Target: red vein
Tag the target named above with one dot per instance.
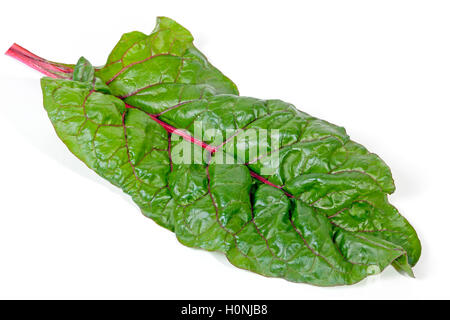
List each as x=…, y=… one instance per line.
x=214, y=202
x=312, y=249
x=176, y=131
x=128, y=148
x=174, y=107
x=169, y=149
x=135, y=63
x=141, y=89
x=205, y=146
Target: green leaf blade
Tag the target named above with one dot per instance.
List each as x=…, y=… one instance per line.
x=320, y=215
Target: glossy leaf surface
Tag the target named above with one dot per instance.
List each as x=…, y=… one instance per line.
x=320, y=216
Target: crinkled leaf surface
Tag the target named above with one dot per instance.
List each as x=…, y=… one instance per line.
x=320, y=217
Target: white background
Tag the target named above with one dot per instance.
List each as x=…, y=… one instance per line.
x=379, y=68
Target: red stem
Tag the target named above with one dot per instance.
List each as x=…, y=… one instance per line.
x=64, y=71
x=49, y=68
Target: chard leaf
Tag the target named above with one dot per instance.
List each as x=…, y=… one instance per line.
x=83, y=71
x=313, y=209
